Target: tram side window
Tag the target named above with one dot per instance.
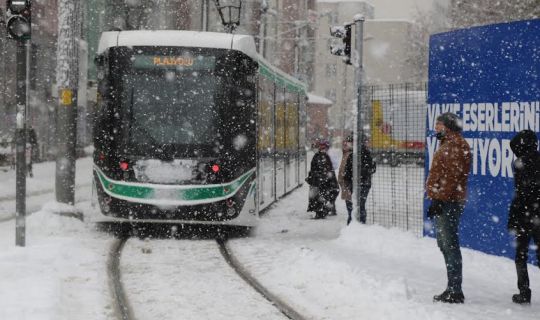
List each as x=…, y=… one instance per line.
x=292, y=122
x=280, y=120
x=303, y=120
x=266, y=121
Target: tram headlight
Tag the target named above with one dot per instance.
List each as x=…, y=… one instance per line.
x=124, y=165
x=212, y=171
x=230, y=207
x=231, y=212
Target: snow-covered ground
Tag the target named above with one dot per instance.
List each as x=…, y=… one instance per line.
x=40, y=188
x=322, y=267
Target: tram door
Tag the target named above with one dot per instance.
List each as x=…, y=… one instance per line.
x=302, y=162
x=266, y=115
x=279, y=138
x=291, y=177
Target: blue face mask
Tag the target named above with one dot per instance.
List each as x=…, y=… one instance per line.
x=440, y=135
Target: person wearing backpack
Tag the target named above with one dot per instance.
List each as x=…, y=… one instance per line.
x=524, y=215
x=367, y=169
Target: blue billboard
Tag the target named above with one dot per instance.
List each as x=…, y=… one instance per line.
x=490, y=77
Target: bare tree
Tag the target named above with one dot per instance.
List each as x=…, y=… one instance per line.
x=423, y=26
x=462, y=14
x=466, y=13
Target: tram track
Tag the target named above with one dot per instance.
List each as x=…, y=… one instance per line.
x=122, y=307
x=281, y=305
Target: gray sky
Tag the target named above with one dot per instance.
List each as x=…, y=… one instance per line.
x=399, y=9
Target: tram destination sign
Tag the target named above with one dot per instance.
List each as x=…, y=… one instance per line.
x=174, y=62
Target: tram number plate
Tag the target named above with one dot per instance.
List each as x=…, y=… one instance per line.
x=157, y=171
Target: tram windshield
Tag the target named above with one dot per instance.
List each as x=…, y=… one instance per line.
x=177, y=102
x=171, y=108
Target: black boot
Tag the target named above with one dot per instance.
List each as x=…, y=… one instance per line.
x=449, y=297
x=524, y=296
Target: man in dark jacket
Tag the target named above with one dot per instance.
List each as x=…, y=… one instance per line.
x=524, y=217
x=446, y=186
x=322, y=179
x=367, y=169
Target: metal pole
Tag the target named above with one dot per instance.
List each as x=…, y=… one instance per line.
x=344, y=103
x=262, y=33
x=296, y=51
x=3, y=108
x=67, y=79
x=204, y=15
x=20, y=174
x=357, y=156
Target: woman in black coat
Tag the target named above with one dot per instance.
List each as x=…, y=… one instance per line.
x=524, y=218
x=322, y=179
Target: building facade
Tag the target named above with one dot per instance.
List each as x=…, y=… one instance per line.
x=334, y=79
x=41, y=109
x=283, y=30
x=386, y=58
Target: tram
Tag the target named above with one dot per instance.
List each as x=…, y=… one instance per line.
x=193, y=128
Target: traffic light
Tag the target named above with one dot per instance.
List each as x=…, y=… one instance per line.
x=343, y=33
x=18, y=22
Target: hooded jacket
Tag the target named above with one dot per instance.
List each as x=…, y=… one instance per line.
x=447, y=179
x=524, y=209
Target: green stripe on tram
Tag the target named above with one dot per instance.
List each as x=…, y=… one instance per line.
x=265, y=71
x=190, y=194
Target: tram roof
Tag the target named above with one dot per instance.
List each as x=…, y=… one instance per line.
x=183, y=38
x=178, y=38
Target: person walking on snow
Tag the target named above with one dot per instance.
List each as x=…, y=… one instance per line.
x=446, y=186
x=524, y=215
x=367, y=169
x=322, y=179
x=346, y=184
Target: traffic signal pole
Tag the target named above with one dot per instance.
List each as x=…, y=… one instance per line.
x=344, y=33
x=20, y=146
x=360, y=113
x=18, y=27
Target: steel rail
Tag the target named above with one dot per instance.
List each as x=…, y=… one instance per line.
x=281, y=305
x=121, y=306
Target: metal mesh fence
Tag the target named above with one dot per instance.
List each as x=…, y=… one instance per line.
x=396, y=115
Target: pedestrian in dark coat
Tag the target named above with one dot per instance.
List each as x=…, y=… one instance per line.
x=446, y=186
x=322, y=179
x=345, y=182
x=367, y=169
x=33, y=152
x=524, y=216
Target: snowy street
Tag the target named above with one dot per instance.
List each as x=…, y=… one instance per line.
x=321, y=267
x=173, y=147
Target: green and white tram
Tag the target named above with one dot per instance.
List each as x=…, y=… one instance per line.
x=194, y=128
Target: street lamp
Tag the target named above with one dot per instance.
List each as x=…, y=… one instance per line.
x=229, y=11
